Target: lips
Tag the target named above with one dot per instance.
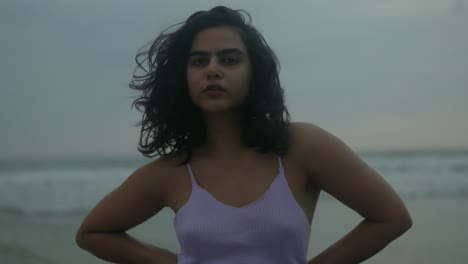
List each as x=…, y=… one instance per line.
x=214, y=87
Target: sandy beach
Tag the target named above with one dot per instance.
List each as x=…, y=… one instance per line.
x=438, y=234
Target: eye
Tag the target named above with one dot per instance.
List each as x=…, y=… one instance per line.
x=199, y=61
x=230, y=60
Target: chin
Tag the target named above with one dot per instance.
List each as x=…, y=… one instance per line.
x=215, y=107
x=213, y=110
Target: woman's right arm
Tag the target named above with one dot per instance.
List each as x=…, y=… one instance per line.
x=141, y=196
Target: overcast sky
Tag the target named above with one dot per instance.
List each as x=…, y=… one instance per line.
x=378, y=74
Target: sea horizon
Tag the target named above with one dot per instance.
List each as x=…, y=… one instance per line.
x=125, y=160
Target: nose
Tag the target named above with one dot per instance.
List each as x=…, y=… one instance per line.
x=213, y=70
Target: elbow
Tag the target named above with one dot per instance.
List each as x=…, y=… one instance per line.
x=81, y=238
x=396, y=225
x=403, y=223
x=407, y=223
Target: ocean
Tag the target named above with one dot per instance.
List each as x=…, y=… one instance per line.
x=42, y=203
x=69, y=186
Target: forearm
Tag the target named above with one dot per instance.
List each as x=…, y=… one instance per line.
x=124, y=249
x=364, y=241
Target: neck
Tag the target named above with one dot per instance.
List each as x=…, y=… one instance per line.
x=224, y=138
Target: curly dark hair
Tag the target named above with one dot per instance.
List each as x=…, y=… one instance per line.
x=171, y=123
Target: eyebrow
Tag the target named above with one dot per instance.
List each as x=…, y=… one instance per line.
x=221, y=52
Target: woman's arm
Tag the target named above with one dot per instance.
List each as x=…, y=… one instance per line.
x=336, y=169
x=119, y=247
x=103, y=231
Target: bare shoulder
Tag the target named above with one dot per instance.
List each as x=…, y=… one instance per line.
x=321, y=153
x=305, y=131
x=338, y=170
x=152, y=178
x=143, y=194
x=309, y=140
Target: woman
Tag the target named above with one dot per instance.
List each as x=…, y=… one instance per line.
x=242, y=180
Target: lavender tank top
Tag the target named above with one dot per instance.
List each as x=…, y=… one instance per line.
x=271, y=230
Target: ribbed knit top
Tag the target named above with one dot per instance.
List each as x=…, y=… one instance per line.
x=271, y=230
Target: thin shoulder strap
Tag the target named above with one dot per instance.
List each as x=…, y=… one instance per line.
x=280, y=164
x=189, y=168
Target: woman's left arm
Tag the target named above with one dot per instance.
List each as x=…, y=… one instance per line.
x=337, y=170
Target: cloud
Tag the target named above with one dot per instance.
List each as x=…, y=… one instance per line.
x=404, y=132
x=367, y=70
x=395, y=8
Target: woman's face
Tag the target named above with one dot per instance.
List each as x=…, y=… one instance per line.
x=218, y=57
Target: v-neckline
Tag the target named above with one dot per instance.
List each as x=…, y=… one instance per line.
x=259, y=199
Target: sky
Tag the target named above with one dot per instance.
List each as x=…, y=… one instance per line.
x=380, y=75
